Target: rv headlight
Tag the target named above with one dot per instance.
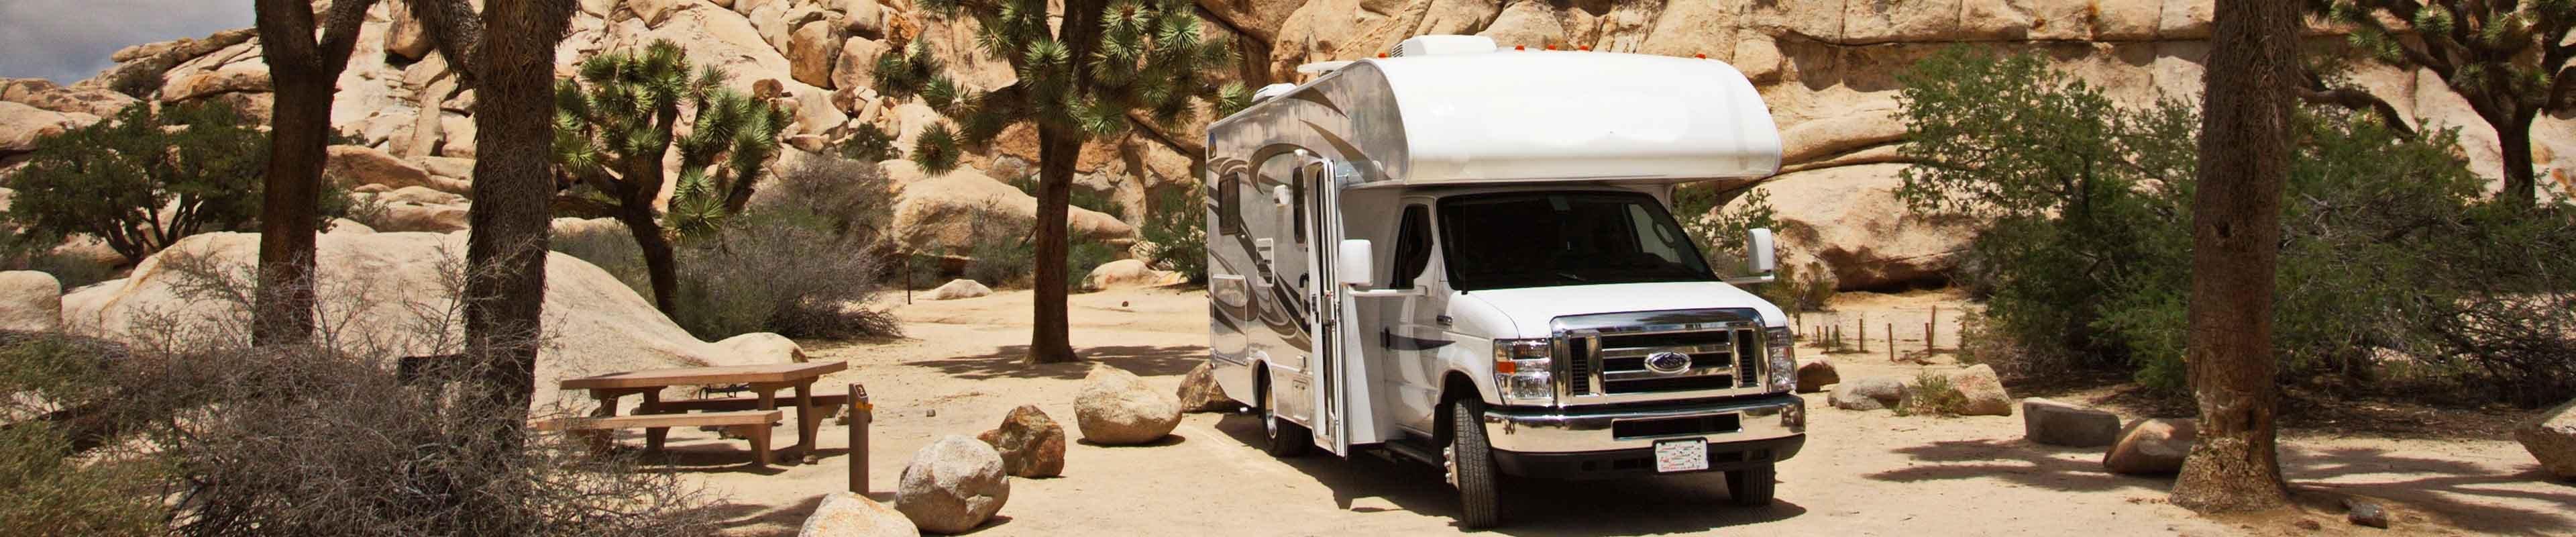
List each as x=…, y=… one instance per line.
x=1783, y=364
x=1523, y=371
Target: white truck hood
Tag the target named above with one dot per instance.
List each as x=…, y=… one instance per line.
x=1531, y=308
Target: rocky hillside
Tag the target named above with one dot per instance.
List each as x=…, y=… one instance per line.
x=1827, y=68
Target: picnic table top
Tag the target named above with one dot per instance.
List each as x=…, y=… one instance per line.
x=694, y=376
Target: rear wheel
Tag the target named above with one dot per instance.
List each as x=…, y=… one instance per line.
x=1751, y=487
x=1471, y=466
x=1285, y=438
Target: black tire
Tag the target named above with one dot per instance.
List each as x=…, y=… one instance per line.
x=1751, y=487
x=1285, y=438
x=1471, y=467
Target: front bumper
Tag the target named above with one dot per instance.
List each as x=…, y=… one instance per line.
x=1551, y=430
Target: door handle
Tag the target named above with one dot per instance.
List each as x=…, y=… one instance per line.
x=1444, y=320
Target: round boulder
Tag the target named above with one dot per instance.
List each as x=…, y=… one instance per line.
x=2551, y=437
x=1200, y=393
x=1032, y=445
x=30, y=301
x=1984, y=391
x=2152, y=447
x=952, y=485
x=1117, y=408
x=2066, y=424
x=1872, y=393
x=847, y=514
x=960, y=288
x=1814, y=374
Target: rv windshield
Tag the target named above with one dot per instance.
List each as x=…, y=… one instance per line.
x=1545, y=239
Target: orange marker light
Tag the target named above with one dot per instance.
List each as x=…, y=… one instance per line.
x=1381, y=54
x=1551, y=47
x=1520, y=47
x=1586, y=48
x=1700, y=56
x=1507, y=367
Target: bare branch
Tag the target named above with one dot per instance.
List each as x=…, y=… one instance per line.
x=456, y=31
x=2317, y=92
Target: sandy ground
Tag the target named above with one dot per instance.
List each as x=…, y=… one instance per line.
x=1873, y=473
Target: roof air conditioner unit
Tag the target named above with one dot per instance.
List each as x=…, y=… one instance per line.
x=1443, y=44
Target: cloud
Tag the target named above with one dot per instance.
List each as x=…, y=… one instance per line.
x=69, y=40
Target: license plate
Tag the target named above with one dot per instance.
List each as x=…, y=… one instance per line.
x=1684, y=455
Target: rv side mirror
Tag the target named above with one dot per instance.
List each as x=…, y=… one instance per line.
x=1758, y=253
x=1353, y=262
x=1757, y=258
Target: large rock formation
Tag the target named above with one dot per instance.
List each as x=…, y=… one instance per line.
x=390, y=291
x=1825, y=68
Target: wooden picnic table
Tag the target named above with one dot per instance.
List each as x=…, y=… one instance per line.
x=763, y=380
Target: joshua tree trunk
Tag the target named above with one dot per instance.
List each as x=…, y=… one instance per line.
x=2244, y=165
x=1048, y=338
x=1058, y=148
x=2513, y=138
x=305, y=73
x=658, y=263
x=506, y=251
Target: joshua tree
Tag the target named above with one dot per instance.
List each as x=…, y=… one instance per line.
x=2509, y=59
x=1111, y=62
x=2245, y=148
x=306, y=72
x=615, y=123
x=507, y=54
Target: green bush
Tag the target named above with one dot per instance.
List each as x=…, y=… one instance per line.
x=142, y=180
x=868, y=144
x=1080, y=258
x=1933, y=395
x=2086, y=253
x=1721, y=235
x=1177, y=232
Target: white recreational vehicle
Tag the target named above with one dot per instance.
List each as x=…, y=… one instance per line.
x=1463, y=255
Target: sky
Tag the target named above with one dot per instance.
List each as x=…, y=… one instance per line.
x=69, y=40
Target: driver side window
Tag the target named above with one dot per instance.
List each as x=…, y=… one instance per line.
x=1412, y=247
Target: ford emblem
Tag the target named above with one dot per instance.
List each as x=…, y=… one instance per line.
x=1668, y=362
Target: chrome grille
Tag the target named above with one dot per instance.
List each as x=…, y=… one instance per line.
x=1606, y=354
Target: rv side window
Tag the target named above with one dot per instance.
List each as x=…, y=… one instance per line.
x=1229, y=194
x=1297, y=196
x=1412, y=247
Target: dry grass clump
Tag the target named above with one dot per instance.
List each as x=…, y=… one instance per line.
x=1933, y=395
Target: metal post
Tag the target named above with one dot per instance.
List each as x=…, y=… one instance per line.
x=1891, y=342
x=861, y=414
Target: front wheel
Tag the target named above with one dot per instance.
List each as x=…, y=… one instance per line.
x=1471, y=466
x=1283, y=438
x=1751, y=487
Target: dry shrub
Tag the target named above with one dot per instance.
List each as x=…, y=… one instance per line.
x=786, y=271
x=329, y=438
x=1979, y=343
x=1933, y=395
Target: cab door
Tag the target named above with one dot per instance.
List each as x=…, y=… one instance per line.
x=1416, y=328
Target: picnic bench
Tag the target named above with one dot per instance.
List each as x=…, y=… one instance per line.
x=751, y=415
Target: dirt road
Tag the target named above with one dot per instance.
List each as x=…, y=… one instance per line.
x=1868, y=473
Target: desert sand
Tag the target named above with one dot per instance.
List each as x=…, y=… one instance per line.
x=1862, y=473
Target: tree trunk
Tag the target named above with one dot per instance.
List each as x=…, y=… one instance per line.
x=506, y=252
x=2513, y=138
x=290, y=198
x=305, y=72
x=658, y=262
x=1048, y=337
x=2245, y=148
x=1058, y=148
